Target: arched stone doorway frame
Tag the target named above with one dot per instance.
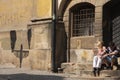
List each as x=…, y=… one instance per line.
x=64, y=14
x=66, y=5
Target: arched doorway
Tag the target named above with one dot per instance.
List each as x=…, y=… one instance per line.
x=111, y=22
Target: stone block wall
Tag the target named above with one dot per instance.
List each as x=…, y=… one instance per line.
x=81, y=56
x=39, y=54
x=6, y=57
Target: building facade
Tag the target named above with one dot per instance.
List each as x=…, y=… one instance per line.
x=26, y=31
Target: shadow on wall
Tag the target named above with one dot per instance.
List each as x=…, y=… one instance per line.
x=29, y=35
x=13, y=39
x=21, y=53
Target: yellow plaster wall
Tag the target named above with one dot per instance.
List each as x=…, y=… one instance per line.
x=18, y=13
x=44, y=8
x=15, y=13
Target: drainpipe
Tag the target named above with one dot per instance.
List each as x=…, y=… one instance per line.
x=53, y=36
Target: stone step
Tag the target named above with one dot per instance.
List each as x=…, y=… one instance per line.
x=103, y=73
x=75, y=67
x=81, y=66
x=86, y=70
x=93, y=78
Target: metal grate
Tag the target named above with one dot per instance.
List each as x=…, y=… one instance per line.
x=116, y=31
x=83, y=22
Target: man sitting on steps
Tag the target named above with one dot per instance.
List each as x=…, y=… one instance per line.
x=110, y=59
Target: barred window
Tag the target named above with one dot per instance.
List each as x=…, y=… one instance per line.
x=82, y=19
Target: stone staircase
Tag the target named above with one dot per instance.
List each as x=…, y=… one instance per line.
x=83, y=71
x=94, y=78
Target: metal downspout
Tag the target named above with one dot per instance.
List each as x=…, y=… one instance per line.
x=53, y=36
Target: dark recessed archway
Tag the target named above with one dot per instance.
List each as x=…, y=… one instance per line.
x=111, y=22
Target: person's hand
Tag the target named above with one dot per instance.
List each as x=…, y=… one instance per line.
x=105, y=55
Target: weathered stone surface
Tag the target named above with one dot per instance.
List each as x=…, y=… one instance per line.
x=41, y=37
x=8, y=57
x=82, y=42
x=81, y=55
x=40, y=59
x=69, y=68
x=5, y=40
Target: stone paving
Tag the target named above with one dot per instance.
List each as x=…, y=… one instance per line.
x=27, y=74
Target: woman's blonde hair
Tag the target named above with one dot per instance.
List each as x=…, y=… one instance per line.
x=99, y=44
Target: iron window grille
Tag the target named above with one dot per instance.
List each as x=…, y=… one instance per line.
x=82, y=21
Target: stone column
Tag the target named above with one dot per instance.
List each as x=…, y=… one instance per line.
x=98, y=23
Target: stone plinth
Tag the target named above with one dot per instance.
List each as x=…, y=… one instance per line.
x=40, y=59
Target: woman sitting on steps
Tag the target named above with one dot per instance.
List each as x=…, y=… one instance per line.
x=97, y=59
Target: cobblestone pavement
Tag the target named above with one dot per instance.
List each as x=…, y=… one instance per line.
x=26, y=74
